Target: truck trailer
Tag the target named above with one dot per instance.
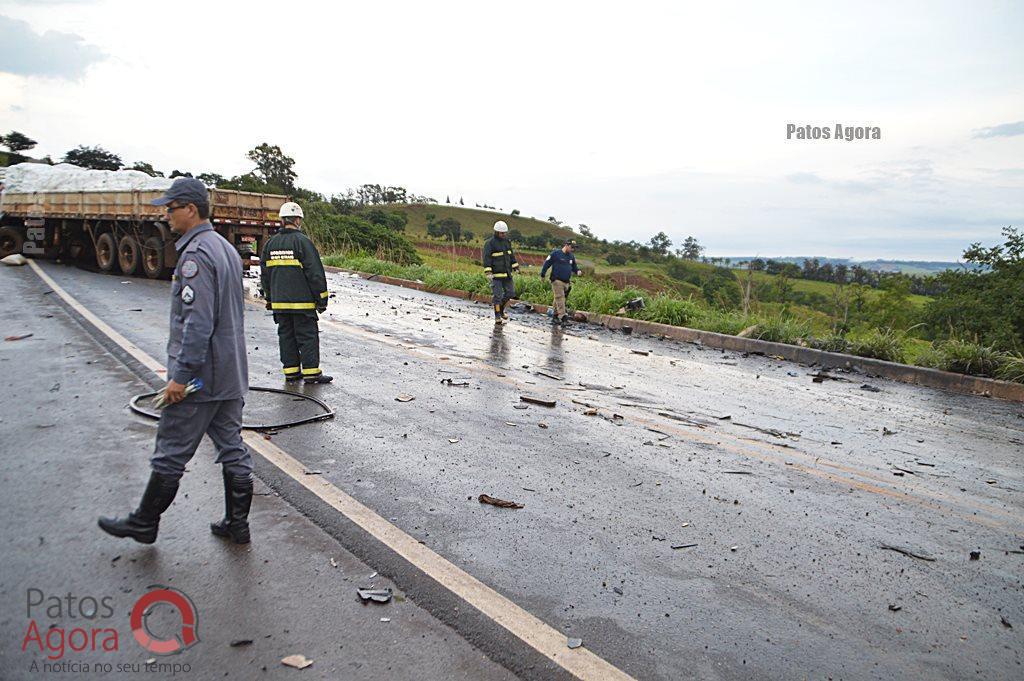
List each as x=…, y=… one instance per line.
x=121, y=231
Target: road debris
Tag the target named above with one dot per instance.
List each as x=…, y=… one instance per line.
x=455, y=382
x=1006, y=623
x=682, y=546
x=375, y=595
x=238, y=643
x=733, y=548
x=895, y=608
x=15, y=260
x=738, y=472
x=645, y=353
x=334, y=563
x=886, y=431
x=906, y=551
x=404, y=397
x=618, y=590
x=590, y=412
x=296, y=661
x=542, y=425
x=574, y=643
x=500, y=503
x=549, y=375
x=18, y=338
x=870, y=388
x=975, y=555
x=537, y=400
x=453, y=440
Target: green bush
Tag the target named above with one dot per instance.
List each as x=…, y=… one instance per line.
x=881, y=344
x=781, y=329
x=615, y=259
x=830, y=343
x=1012, y=368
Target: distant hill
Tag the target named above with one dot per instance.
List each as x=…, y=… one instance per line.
x=922, y=267
x=477, y=220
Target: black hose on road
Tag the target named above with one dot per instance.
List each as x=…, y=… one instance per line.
x=328, y=411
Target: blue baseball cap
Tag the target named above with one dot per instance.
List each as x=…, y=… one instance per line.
x=185, y=190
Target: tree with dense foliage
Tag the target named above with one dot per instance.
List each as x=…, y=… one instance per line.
x=272, y=166
x=660, y=243
x=984, y=303
x=17, y=142
x=96, y=158
x=691, y=249
x=147, y=168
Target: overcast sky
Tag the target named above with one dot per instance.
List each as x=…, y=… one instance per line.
x=628, y=117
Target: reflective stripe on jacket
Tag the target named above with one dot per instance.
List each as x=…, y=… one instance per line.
x=498, y=258
x=291, y=274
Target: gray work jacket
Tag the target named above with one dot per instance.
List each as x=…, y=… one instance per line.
x=207, y=338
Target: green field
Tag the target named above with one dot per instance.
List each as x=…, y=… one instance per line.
x=476, y=220
x=825, y=288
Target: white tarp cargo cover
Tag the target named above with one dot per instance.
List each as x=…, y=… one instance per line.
x=64, y=177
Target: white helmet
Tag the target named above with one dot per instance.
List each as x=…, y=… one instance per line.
x=500, y=226
x=290, y=210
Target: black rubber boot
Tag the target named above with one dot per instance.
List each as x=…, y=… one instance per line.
x=143, y=523
x=291, y=378
x=237, y=500
x=319, y=378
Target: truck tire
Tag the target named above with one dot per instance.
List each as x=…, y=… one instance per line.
x=153, y=261
x=106, y=252
x=129, y=254
x=11, y=241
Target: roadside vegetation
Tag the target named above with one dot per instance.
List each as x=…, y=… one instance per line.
x=968, y=320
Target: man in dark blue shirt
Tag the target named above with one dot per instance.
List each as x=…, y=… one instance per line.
x=562, y=264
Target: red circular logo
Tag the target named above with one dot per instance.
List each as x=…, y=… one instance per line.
x=143, y=607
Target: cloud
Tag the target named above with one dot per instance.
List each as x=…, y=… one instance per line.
x=1004, y=130
x=24, y=52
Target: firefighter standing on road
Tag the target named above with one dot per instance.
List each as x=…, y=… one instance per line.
x=294, y=285
x=562, y=264
x=207, y=329
x=499, y=265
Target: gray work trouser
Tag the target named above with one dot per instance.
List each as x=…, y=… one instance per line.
x=182, y=427
x=503, y=289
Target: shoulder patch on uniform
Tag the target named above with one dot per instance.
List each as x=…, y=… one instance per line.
x=187, y=295
x=189, y=268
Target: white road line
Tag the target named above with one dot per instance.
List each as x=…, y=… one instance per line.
x=580, y=662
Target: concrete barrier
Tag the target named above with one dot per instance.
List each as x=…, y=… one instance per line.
x=904, y=373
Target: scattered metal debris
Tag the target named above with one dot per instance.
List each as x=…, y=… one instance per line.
x=546, y=374
x=18, y=338
x=455, y=382
x=542, y=425
x=618, y=590
x=906, y=551
x=870, y=388
x=683, y=546
x=895, y=608
x=886, y=431
x=404, y=397
x=500, y=503
x=375, y=595
x=975, y=555
x=1005, y=622
x=241, y=642
x=645, y=353
x=738, y=472
x=537, y=400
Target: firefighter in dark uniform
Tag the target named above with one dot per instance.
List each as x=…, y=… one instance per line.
x=499, y=265
x=205, y=353
x=294, y=285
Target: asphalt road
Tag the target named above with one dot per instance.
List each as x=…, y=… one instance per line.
x=782, y=491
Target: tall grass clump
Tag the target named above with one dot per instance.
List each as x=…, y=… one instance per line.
x=884, y=344
x=779, y=329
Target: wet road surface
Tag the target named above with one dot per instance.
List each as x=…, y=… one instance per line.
x=688, y=513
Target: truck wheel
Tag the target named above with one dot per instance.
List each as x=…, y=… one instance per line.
x=106, y=252
x=129, y=254
x=153, y=258
x=11, y=241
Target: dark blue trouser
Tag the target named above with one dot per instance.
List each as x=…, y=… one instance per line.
x=502, y=290
x=182, y=427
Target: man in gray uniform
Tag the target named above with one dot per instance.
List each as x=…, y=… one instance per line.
x=206, y=348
